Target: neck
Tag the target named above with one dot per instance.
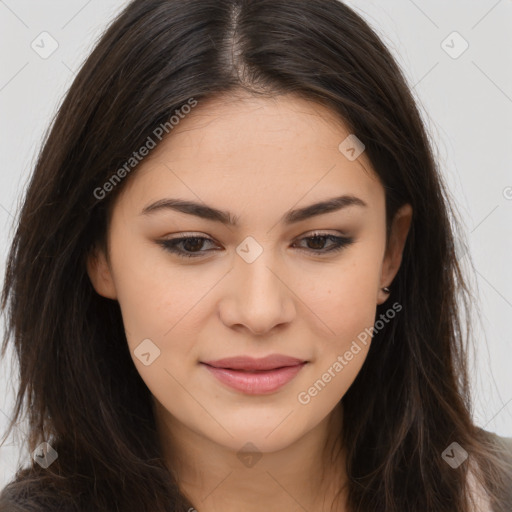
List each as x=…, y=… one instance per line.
x=305, y=475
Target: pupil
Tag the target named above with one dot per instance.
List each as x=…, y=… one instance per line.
x=197, y=245
x=317, y=240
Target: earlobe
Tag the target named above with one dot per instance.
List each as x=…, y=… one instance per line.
x=393, y=257
x=100, y=274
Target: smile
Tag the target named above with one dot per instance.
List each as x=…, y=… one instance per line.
x=255, y=376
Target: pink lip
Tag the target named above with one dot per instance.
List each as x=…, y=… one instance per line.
x=255, y=376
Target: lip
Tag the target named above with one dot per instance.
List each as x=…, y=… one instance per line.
x=247, y=363
x=255, y=376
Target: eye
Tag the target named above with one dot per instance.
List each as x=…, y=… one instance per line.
x=190, y=246
x=318, y=240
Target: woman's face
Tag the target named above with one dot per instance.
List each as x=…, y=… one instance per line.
x=261, y=287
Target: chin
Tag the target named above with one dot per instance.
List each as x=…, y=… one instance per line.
x=267, y=435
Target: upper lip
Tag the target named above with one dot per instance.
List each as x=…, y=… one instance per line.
x=270, y=362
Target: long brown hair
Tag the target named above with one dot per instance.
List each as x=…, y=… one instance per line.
x=78, y=383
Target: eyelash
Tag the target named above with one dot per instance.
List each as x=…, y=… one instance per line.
x=340, y=243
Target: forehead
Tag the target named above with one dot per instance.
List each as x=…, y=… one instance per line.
x=246, y=148
x=227, y=127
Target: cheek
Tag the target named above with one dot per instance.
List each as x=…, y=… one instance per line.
x=154, y=295
x=345, y=297
x=161, y=306
x=349, y=314
x=157, y=306
x=345, y=300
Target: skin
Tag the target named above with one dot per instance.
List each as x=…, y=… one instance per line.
x=257, y=158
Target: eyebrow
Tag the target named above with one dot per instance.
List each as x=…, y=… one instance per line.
x=293, y=216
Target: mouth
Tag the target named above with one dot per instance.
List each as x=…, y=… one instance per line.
x=255, y=376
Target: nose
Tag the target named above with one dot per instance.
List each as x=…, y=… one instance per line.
x=258, y=296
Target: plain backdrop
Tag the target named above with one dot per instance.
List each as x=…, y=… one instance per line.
x=465, y=95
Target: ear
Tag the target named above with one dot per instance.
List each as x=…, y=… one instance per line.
x=393, y=256
x=100, y=273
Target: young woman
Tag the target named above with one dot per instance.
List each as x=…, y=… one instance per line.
x=233, y=285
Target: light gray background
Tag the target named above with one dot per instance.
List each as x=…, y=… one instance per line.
x=466, y=103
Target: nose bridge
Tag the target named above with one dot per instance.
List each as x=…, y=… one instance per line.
x=262, y=300
x=256, y=266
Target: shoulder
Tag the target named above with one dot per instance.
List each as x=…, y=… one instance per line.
x=31, y=493
x=502, y=448
x=503, y=444
x=505, y=449
x=506, y=443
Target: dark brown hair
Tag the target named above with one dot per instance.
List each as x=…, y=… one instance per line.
x=78, y=383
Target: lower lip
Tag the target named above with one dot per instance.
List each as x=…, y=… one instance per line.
x=256, y=383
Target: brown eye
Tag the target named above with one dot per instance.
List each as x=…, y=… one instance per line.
x=191, y=246
x=316, y=243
